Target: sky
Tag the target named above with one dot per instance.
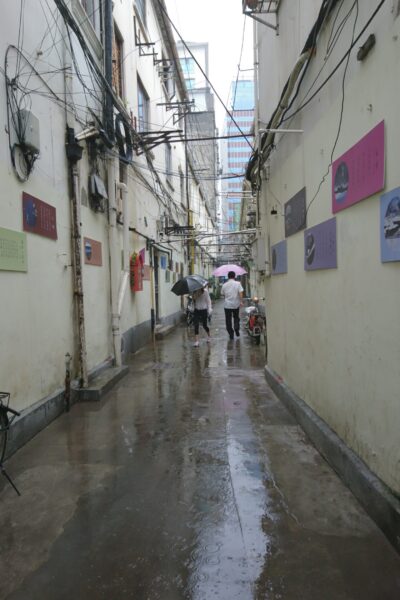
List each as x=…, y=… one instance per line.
x=220, y=23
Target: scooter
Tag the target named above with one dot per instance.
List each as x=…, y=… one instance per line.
x=255, y=322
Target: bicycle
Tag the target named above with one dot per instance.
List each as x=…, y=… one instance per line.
x=5, y=422
x=190, y=312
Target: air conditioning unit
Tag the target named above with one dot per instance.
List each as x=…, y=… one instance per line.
x=250, y=4
x=261, y=258
x=30, y=130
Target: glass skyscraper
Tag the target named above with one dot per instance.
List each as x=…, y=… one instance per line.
x=235, y=152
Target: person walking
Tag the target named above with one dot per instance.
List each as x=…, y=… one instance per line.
x=233, y=293
x=202, y=310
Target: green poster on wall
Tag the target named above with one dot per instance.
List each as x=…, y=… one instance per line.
x=13, y=253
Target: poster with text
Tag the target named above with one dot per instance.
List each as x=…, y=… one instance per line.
x=295, y=213
x=13, y=250
x=390, y=226
x=320, y=246
x=360, y=172
x=38, y=217
x=279, y=258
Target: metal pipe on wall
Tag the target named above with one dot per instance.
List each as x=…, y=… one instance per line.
x=74, y=154
x=78, y=278
x=125, y=246
x=114, y=259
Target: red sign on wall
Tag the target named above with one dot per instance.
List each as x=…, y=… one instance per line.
x=38, y=217
x=92, y=252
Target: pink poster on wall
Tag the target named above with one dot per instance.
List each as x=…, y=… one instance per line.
x=360, y=172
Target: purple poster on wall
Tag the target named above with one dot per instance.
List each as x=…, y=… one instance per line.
x=320, y=246
x=360, y=172
x=279, y=258
x=390, y=226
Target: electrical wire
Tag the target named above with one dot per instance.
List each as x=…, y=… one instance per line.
x=344, y=57
x=255, y=158
x=333, y=39
x=240, y=62
x=20, y=29
x=356, y=5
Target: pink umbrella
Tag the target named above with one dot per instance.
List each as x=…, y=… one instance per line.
x=223, y=270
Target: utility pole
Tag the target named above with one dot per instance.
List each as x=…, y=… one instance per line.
x=74, y=154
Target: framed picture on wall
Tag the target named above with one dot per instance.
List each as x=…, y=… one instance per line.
x=390, y=226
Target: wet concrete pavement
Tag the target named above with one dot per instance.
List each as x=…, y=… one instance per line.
x=189, y=481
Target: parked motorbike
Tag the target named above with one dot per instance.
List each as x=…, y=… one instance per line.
x=255, y=322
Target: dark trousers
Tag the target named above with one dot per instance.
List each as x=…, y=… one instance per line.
x=200, y=316
x=229, y=313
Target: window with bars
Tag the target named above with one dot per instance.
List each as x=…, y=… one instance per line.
x=143, y=108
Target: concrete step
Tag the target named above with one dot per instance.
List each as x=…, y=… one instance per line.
x=101, y=384
x=163, y=330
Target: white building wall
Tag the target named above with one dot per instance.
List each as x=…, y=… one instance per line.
x=37, y=307
x=148, y=207
x=334, y=334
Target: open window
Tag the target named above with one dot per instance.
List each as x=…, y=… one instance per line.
x=117, y=59
x=141, y=6
x=143, y=108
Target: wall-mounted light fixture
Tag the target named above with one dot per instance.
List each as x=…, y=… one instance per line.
x=365, y=49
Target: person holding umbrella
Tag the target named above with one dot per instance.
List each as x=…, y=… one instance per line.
x=202, y=310
x=196, y=285
x=233, y=293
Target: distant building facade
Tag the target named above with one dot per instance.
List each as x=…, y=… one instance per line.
x=200, y=120
x=235, y=152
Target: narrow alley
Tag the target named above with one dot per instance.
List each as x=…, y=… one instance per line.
x=189, y=481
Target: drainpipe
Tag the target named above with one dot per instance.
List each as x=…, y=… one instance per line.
x=125, y=274
x=118, y=288
x=125, y=246
x=111, y=184
x=114, y=260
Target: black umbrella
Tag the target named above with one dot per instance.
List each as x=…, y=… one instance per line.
x=188, y=285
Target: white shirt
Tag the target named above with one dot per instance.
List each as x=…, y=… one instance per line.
x=231, y=291
x=202, y=301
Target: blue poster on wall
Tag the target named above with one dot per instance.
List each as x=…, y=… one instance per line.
x=279, y=258
x=296, y=213
x=320, y=246
x=390, y=226
x=163, y=261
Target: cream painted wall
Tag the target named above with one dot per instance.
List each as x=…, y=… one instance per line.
x=37, y=312
x=334, y=334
